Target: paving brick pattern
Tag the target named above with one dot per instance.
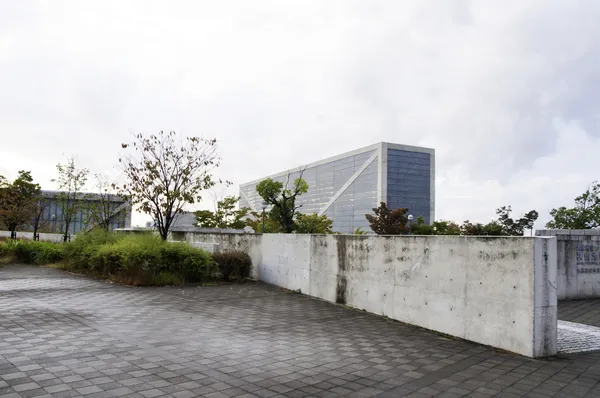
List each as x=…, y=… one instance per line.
x=580, y=311
x=577, y=337
x=67, y=336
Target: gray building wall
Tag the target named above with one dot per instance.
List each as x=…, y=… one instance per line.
x=350, y=185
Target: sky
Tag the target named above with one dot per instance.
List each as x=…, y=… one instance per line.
x=507, y=92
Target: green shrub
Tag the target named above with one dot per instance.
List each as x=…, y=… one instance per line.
x=31, y=252
x=233, y=264
x=80, y=254
x=139, y=259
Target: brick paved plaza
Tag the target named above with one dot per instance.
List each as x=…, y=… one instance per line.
x=66, y=336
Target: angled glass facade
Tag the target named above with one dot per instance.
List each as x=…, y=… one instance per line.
x=348, y=186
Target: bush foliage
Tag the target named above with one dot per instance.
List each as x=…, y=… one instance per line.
x=31, y=252
x=138, y=259
x=233, y=264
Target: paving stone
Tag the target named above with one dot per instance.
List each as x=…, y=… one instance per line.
x=577, y=337
x=65, y=336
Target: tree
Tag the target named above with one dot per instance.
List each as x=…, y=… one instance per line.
x=71, y=181
x=101, y=210
x=313, y=224
x=387, y=221
x=163, y=175
x=254, y=221
x=225, y=215
x=446, y=228
x=585, y=214
x=283, y=199
x=491, y=229
x=17, y=200
x=512, y=227
x=37, y=220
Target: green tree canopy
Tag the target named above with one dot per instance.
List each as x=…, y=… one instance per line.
x=283, y=200
x=313, y=224
x=225, y=216
x=584, y=215
x=254, y=221
x=17, y=200
x=516, y=227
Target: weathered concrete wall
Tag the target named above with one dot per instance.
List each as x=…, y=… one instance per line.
x=578, y=261
x=495, y=291
x=44, y=237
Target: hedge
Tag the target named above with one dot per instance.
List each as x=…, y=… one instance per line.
x=31, y=252
x=138, y=259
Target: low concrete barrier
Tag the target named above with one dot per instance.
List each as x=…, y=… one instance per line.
x=44, y=237
x=578, y=262
x=497, y=291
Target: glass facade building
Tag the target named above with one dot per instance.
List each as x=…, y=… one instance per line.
x=348, y=186
x=52, y=220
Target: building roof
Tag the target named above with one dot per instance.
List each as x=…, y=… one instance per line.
x=82, y=195
x=374, y=147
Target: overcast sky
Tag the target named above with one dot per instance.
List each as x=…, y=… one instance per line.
x=507, y=92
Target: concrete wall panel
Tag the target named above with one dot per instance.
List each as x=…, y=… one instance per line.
x=496, y=291
x=578, y=261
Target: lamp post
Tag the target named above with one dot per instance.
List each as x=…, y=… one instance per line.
x=264, y=207
x=410, y=218
x=530, y=228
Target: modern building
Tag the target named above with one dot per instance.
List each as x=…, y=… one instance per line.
x=52, y=217
x=348, y=186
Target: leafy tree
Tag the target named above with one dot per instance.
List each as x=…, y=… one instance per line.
x=17, y=200
x=387, y=221
x=585, y=214
x=420, y=228
x=164, y=174
x=446, y=228
x=37, y=220
x=101, y=210
x=254, y=221
x=225, y=216
x=283, y=199
x=514, y=227
x=71, y=181
x=492, y=229
x=359, y=231
x=313, y=224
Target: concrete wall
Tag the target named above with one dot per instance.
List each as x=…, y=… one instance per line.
x=29, y=235
x=578, y=261
x=492, y=290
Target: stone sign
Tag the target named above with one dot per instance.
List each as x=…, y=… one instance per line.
x=588, y=259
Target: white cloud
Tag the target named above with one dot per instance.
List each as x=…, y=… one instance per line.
x=505, y=91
